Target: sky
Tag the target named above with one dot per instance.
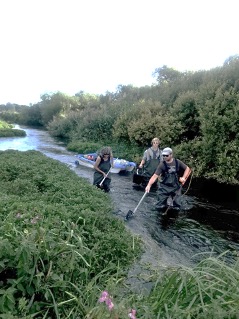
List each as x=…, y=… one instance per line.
x=96, y=45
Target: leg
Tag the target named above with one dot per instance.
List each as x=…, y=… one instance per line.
x=145, y=181
x=106, y=185
x=178, y=200
x=162, y=197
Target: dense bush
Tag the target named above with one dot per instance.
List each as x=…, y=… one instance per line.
x=59, y=241
x=184, y=109
x=83, y=147
x=8, y=132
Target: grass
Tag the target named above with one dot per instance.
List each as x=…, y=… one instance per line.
x=209, y=290
x=61, y=247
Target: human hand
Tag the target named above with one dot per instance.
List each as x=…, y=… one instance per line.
x=182, y=180
x=147, y=189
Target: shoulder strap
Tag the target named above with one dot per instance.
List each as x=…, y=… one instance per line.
x=149, y=154
x=176, y=166
x=165, y=166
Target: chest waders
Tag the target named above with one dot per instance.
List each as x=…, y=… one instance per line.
x=152, y=162
x=151, y=166
x=105, y=167
x=169, y=186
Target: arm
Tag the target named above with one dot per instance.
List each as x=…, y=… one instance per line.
x=143, y=161
x=186, y=173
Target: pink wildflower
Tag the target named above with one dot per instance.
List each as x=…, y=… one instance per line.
x=104, y=296
x=132, y=314
x=109, y=303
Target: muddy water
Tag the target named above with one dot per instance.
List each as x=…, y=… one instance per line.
x=178, y=238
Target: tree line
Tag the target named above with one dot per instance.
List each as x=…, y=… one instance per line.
x=195, y=113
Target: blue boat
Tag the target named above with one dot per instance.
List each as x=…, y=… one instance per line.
x=89, y=159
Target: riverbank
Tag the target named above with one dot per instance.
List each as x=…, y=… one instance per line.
x=8, y=130
x=57, y=239
x=172, y=241
x=61, y=248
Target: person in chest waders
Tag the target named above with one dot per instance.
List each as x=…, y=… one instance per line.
x=102, y=167
x=173, y=173
x=150, y=161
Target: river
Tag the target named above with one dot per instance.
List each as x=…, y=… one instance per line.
x=179, y=238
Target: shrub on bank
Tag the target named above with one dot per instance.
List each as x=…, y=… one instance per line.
x=125, y=151
x=60, y=243
x=8, y=132
x=83, y=147
x=4, y=125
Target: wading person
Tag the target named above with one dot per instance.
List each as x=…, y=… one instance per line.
x=150, y=161
x=172, y=172
x=102, y=166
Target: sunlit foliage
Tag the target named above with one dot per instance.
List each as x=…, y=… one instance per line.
x=195, y=113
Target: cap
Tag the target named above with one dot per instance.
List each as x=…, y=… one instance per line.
x=167, y=151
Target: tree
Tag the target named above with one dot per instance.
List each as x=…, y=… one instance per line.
x=165, y=75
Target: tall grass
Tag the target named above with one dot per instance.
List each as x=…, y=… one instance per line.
x=208, y=290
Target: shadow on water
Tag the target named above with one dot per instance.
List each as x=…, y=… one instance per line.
x=211, y=226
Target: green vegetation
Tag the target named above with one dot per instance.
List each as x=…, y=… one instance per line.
x=209, y=290
x=6, y=130
x=195, y=113
x=5, y=125
x=60, y=244
x=61, y=247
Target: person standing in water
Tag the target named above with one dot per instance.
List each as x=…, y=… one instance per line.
x=103, y=163
x=172, y=172
x=150, y=161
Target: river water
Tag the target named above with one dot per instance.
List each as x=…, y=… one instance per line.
x=179, y=238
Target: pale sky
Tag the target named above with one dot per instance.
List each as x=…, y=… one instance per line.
x=96, y=45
